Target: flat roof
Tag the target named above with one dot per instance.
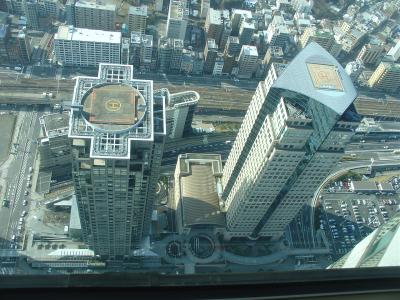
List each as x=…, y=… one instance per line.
x=250, y=50
x=94, y=5
x=55, y=124
x=88, y=35
x=364, y=185
x=113, y=106
x=215, y=16
x=138, y=10
x=245, y=13
x=176, y=10
x=199, y=196
x=325, y=77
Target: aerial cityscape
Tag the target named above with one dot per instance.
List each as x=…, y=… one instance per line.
x=199, y=136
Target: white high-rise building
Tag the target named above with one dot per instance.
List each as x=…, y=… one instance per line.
x=294, y=132
x=179, y=111
x=86, y=47
x=177, y=20
x=117, y=129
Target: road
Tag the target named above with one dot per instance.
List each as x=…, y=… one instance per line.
x=373, y=146
x=17, y=178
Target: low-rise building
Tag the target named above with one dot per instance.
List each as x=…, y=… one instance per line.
x=55, y=165
x=197, y=191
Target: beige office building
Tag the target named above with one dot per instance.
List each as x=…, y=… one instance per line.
x=293, y=134
x=386, y=77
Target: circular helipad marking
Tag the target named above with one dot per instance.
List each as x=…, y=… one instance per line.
x=113, y=105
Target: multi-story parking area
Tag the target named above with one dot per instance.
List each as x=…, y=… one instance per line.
x=346, y=218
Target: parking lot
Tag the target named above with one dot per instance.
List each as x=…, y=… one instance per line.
x=348, y=217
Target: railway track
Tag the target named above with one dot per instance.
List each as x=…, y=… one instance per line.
x=211, y=98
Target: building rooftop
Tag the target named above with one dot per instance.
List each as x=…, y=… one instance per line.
x=176, y=10
x=147, y=40
x=138, y=10
x=178, y=43
x=217, y=16
x=250, y=50
x=114, y=109
x=211, y=44
x=180, y=99
x=55, y=124
x=233, y=40
x=325, y=77
x=377, y=104
x=248, y=23
x=88, y=35
x=113, y=106
x=312, y=68
x=244, y=13
x=198, y=185
x=94, y=5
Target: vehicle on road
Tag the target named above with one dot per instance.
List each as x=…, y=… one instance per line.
x=24, y=213
x=26, y=193
x=25, y=203
x=6, y=203
x=30, y=169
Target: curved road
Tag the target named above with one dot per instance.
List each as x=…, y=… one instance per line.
x=337, y=173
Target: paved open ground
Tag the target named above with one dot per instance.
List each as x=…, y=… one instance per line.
x=7, y=122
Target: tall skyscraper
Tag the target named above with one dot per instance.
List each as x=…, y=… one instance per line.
x=294, y=132
x=117, y=129
x=177, y=20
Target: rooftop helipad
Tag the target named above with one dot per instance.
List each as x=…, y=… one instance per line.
x=325, y=77
x=113, y=106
